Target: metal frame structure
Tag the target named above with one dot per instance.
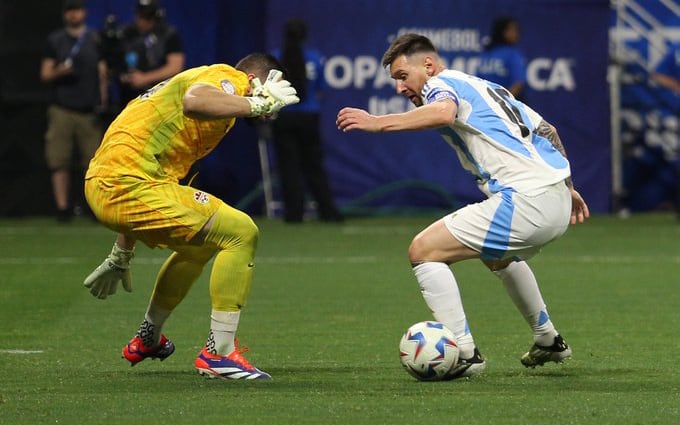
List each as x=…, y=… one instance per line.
x=632, y=21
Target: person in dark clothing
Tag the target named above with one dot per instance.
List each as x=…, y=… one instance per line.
x=73, y=67
x=297, y=132
x=502, y=61
x=151, y=49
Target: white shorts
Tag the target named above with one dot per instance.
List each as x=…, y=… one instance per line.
x=512, y=225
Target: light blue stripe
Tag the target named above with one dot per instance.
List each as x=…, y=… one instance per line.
x=498, y=236
x=495, y=187
x=548, y=153
x=521, y=107
x=456, y=140
x=545, y=149
x=485, y=119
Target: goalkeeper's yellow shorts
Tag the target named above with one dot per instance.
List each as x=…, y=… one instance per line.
x=160, y=214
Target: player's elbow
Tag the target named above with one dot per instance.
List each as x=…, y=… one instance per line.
x=188, y=106
x=192, y=107
x=445, y=119
x=442, y=113
x=443, y=116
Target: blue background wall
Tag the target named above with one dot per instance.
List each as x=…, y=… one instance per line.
x=566, y=47
x=565, y=42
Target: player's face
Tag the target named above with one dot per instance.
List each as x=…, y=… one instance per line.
x=410, y=75
x=74, y=17
x=144, y=24
x=511, y=33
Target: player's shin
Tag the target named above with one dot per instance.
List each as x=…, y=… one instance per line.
x=440, y=291
x=235, y=234
x=521, y=285
x=223, y=327
x=177, y=275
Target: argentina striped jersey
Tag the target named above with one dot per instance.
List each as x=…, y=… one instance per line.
x=493, y=135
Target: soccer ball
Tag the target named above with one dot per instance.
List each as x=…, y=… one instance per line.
x=428, y=351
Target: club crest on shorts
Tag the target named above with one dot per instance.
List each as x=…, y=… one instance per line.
x=201, y=197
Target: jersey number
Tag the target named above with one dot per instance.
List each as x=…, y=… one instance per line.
x=501, y=97
x=153, y=89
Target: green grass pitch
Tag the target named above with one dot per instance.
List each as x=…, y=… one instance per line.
x=328, y=306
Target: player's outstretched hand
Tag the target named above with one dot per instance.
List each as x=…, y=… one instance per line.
x=356, y=119
x=103, y=281
x=579, y=208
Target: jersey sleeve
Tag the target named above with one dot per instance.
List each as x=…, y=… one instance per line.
x=50, y=51
x=224, y=77
x=174, y=42
x=436, y=89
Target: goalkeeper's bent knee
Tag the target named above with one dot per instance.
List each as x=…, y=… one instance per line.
x=233, y=229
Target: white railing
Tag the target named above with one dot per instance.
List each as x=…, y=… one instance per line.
x=633, y=22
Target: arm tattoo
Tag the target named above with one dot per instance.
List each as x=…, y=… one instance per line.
x=549, y=132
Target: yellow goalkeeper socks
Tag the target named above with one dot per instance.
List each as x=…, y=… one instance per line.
x=232, y=272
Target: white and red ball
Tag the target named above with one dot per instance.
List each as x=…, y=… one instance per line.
x=428, y=350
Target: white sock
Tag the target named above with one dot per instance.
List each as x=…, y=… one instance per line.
x=521, y=285
x=441, y=294
x=223, y=325
x=154, y=319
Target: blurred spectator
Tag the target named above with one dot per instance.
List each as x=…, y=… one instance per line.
x=297, y=132
x=74, y=68
x=667, y=75
x=667, y=72
x=502, y=61
x=151, y=49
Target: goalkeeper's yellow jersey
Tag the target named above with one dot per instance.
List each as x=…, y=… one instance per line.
x=153, y=139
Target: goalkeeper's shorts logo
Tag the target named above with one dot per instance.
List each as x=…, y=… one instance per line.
x=201, y=197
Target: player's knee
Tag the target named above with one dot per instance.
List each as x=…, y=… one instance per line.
x=250, y=232
x=232, y=228
x=417, y=252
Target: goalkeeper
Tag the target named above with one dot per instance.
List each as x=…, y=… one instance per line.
x=132, y=186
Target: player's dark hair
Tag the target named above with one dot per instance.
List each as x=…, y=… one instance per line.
x=258, y=64
x=407, y=44
x=148, y=9
x=293, y=57
x=498, y=27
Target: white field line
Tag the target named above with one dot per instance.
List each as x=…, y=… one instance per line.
x=157, y=261
x=379, y=230
x=19, y=351
x=52, y=230
x=601, y=259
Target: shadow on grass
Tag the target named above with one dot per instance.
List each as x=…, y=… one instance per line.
x=341, y=379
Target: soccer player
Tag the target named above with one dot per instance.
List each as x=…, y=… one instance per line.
x=132, y=186
x=519, y=163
